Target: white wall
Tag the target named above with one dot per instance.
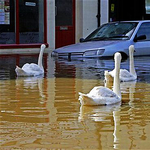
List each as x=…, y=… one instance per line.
x=89, y=16
x=51, y=24
x=104, y=8
x=79, y=20
x=86, y=21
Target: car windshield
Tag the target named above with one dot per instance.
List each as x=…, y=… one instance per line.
x=113, y=31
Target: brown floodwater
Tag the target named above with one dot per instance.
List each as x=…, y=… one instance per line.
x=44, y=112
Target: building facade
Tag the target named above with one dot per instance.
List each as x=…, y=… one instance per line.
x=25, y=24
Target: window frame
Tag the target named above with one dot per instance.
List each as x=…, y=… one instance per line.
x=17, y=44
x=147, y=39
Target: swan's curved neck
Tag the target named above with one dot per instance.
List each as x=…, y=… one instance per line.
x=116, y=83
x=40, y=58
x=132, y=69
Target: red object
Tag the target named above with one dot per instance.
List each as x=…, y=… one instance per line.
x=65, y=34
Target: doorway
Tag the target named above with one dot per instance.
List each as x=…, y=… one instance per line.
x=65, y=22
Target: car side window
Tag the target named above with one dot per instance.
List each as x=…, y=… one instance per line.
x=144, y=30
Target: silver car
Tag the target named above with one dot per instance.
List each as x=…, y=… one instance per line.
x=110, y=38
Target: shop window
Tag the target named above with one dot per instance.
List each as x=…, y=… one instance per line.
x=7, y=23
x=22, y=22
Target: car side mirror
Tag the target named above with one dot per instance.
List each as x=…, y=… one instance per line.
x=141, y=37
x=81, y=40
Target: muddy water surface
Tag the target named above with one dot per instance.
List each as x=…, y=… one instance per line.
x=45, y=113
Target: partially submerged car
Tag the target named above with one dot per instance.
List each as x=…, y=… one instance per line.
x=110, y=38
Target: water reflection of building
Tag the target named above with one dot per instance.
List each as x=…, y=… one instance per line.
x=25, y=110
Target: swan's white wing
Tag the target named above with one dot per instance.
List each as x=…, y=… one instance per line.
x=99, y=96
x=105, y=96
x=20, y=72
x=33, y=69
x=101, y=91
x=25, y=66
x=125, y=75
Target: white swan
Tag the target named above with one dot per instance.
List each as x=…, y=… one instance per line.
x=125, y=75
x=32, y=69
x=102, y=95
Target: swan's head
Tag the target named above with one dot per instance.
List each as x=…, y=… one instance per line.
x=131, y=49
x=117, y=56
x=43, y=46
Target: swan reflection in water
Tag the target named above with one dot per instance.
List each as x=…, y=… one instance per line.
x=102, y=114
x=31, y=83
x=37, y=88
x=97, y=113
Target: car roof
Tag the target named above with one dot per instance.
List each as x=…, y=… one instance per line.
x=132, y=21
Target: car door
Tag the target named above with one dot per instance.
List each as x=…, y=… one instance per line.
x=142, y=46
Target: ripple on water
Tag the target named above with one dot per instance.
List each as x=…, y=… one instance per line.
x=46, y=113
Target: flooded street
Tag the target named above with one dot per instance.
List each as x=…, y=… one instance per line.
x=44, y=113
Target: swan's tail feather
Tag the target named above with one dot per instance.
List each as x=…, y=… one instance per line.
x=20, y=72
x=85, y=99
x=82, y=94
x=107, y=77
x=82, y=98
x=17, y=67
x=106, y=73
